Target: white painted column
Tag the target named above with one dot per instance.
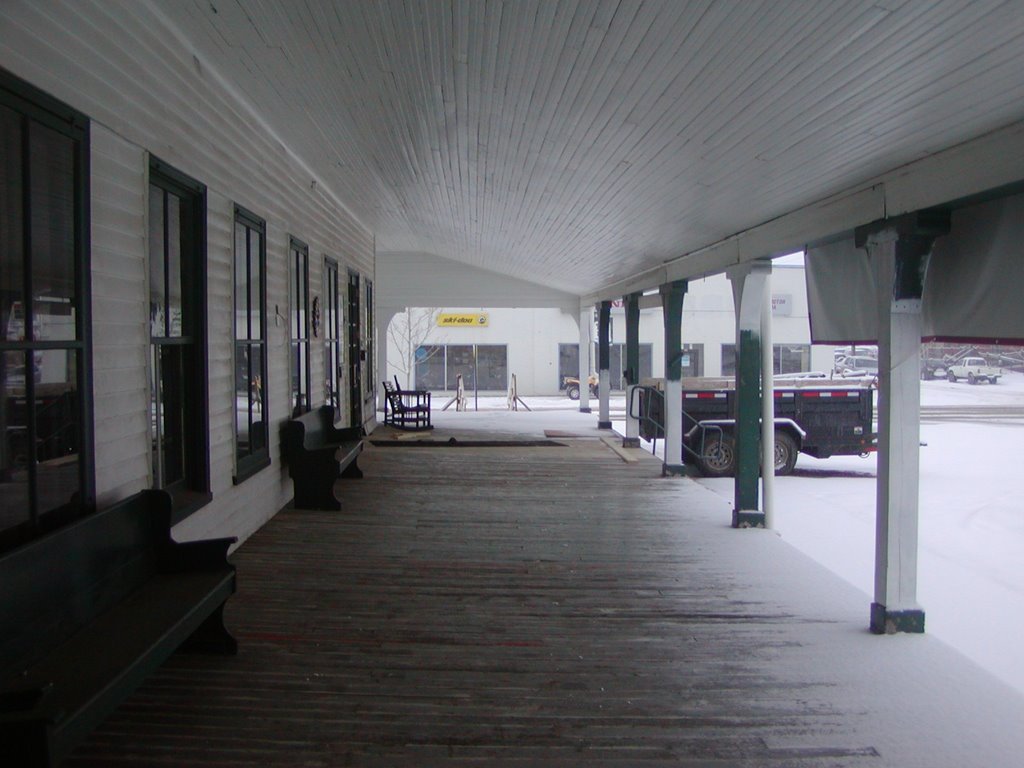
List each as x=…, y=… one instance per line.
x=672, y=297
x=895, y=605
x=586, y=350
x=898, y=250
x=381, y=324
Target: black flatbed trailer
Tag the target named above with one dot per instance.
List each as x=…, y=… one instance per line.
x=820, y=420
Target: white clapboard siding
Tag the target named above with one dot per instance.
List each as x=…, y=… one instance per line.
x=146, y=94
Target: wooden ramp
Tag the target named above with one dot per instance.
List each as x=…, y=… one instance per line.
x=504, y=607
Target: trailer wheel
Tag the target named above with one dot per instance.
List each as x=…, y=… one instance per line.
x=971, y=378
x=785, y=453
x=719, y=457
x=950, y=376
x=573, y=391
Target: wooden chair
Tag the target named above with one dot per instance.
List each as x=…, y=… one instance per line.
x=406, y=409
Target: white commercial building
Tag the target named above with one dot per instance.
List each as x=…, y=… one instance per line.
x=429, y=346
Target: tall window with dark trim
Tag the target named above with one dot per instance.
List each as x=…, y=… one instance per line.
x=333, y=344
x=177, y=319
x=45, y=408
x=251, y=451
x=298, y=268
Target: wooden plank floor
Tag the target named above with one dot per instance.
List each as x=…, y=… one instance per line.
x=489, y=606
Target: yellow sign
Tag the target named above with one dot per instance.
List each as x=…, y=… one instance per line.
x=452, y=320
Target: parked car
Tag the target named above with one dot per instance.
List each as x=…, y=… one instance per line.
x=974, y=369
x=858, y=366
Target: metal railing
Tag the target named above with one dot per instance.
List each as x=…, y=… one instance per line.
x=642, y=407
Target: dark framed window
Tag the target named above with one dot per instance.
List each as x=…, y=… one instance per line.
x=177, y=318
x=786, y=358
x=251, y=450
x=483, y=366
x=334, y=358
x=569, y=363
x=460, y=359
x=692, y=360
x=298, y=268
x=791, y=358
x=430, y=367
x=46, y=465
x=492, y=366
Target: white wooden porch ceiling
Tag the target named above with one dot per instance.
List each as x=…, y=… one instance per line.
x=578, y=142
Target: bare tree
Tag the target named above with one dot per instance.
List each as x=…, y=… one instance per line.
x=409, y=331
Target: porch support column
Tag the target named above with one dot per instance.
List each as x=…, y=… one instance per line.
x=632, y=372
x=604, y=327
x=672, y=296
x=381, y=323
x=748, y=288
x=586, y=347
x=898, y=250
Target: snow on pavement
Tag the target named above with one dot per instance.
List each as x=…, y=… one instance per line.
x=971, y=585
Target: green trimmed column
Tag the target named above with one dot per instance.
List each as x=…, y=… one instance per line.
x=898, y=250
x=748, y=289
x=604, y=356
x=586, y=350
x=672, y=296
x=632, y=371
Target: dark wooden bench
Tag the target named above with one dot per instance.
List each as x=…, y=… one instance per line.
x=318, y=453
x=407, y=409
x=88, y=611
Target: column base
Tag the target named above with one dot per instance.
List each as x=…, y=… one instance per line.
x=676, y=470
x=585, y=409
x=604, y=425
x=886, y=622
x=747, y=518
x=631, y=442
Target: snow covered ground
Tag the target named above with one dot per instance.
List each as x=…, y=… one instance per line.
x=971, y=575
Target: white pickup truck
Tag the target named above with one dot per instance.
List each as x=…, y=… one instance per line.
x=974, y=369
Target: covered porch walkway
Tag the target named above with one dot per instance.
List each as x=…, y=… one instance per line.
x=549, y=605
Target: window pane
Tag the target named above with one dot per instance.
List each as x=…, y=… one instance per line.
x=430, y=368
x=692, y=361
x=52, y=179
x=568, y=362
x=728, y=359
x=300, y=384
x=157, y=289
x=615, y=362
x=460, y=360
x=256, y=329
x=57, y=436
x=174, y=286
x=492, y=366
x=791, y=358
x=243, y=398
x=14, y=448
x=258, y=436
x=646, y=361
x=241, y=283
x=172, y=428
x=11, y=231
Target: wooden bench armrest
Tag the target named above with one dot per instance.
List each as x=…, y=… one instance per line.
x=203, y=555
